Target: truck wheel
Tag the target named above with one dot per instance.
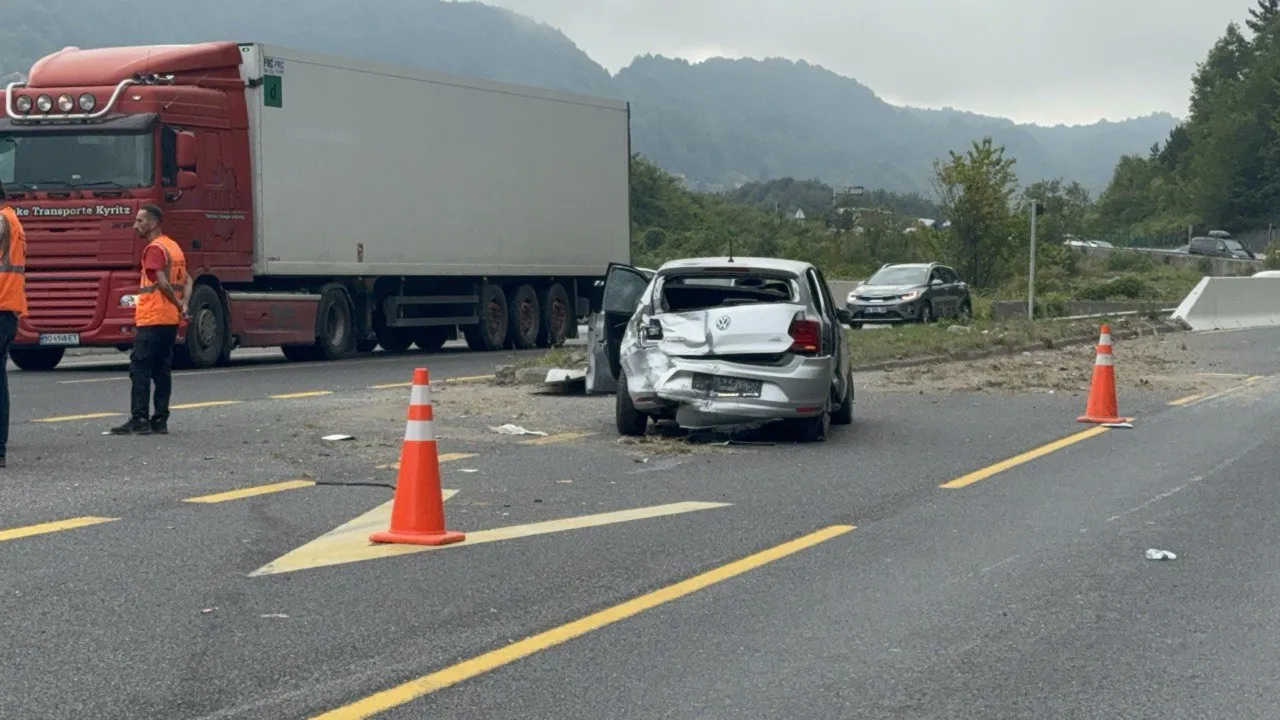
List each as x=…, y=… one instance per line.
x=556, y=316
x=526, y=318
x=337, y=333
x=431, y=339
x=207, y=330
x=393, y=340
x=491, y=333
x=36, y=359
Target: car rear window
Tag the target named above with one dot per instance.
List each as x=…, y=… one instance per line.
x=701, y=291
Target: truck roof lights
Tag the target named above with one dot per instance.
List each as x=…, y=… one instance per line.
x=17, y=107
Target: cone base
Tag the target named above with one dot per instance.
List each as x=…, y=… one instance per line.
x=444, y=537
x=1103, y=421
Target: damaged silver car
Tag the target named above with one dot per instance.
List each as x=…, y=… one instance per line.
x=709, y=342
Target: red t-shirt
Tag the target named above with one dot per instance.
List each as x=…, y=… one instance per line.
x=153, y=259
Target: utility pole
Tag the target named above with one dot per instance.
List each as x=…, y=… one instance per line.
x=1031, y=276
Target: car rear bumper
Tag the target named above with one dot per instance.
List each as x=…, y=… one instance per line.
x=799, y=388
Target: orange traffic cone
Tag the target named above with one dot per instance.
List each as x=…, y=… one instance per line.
x=417, y=514
x=1102, y=405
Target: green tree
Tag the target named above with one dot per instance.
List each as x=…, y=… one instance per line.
x=975, y=191
x=1266, y=11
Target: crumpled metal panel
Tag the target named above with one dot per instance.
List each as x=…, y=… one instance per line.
x=745, y=330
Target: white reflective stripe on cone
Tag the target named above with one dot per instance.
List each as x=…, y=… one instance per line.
x=1105, y=340
x=419, y=430
x=1104, y=359
x=421, y=395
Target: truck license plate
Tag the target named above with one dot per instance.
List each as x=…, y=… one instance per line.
x=60, y=339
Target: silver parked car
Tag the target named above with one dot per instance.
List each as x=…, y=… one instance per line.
x=711, y=342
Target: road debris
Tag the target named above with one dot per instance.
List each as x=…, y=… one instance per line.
x=337, y=438
x=1154, y=554
x=510, y=429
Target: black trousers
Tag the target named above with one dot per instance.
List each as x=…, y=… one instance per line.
x=152, y=362
x=8, y=329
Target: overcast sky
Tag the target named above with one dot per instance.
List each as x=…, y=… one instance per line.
x=1042, y=61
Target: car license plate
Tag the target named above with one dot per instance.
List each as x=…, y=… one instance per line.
x=735, y=387
x=60, y=339
x=876, y=310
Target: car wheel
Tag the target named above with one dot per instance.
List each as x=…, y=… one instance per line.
x=966, y=312
x=926, y=313
x=631, y=422
x=814, y=429
x=844, y=412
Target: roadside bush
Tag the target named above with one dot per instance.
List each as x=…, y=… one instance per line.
x=1130, y=261
x=1052, y=305
x=1125, y=287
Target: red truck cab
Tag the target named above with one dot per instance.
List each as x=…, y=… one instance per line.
x=92, y=136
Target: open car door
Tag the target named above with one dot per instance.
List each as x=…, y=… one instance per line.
x=624, y=287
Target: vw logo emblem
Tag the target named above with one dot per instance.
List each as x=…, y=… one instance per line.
x=722, y=323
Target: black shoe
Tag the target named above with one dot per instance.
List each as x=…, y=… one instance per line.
x=133, y=427
x=2, y=462
x=160, y=427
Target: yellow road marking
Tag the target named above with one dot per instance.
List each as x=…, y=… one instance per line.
x=350, y=543
x=404, y=693
x=251, y=491
x=52, y=527
x=1025, y=457
x=1254, y=378
x=552, y=439
x=292, y=396
x=211, y=403
x=390, y=386
x=447, y=457
x=1186, y=400
x=469, y=378
x=69, y=418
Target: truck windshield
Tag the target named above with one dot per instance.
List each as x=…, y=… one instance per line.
x=39, y=160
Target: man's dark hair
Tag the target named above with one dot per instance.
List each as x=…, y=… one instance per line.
x=154, y=211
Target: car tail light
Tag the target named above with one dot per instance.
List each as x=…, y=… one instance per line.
x=806, y=336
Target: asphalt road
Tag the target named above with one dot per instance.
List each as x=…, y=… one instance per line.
x=1018, y=593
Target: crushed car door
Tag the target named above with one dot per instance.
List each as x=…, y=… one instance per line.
x=624, y=287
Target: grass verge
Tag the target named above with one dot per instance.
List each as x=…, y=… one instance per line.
x=868, y=347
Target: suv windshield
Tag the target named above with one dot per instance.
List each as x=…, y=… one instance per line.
x=38, y=160
x=900, y=276
x=682, y=293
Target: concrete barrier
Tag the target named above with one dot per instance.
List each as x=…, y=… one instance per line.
x=1219, y=303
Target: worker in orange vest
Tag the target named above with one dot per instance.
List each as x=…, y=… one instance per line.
x=161, y=307
x=13, y=303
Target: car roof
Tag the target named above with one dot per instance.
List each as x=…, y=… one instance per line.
x=921, y=266
x=792, y=266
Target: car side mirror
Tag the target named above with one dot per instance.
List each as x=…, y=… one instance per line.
x=187, y=180
x=935, y=281
x=844, y=316
x=186, y=150
x=652, y=330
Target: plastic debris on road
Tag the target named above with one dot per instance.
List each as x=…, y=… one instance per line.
x=1121, y=425
x=336, y=438
x=510, y=429
x=1154, y=554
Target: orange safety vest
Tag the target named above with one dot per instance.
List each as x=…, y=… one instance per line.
x=13, y=266
x=153, y=308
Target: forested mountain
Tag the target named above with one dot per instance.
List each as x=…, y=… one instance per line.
x=717, y=124
x=1221, y=168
